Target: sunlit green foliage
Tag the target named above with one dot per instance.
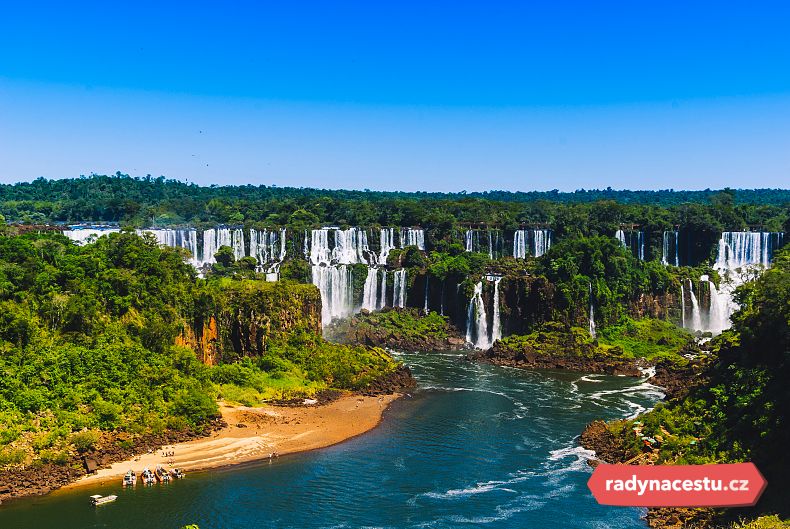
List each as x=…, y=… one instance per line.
x=87, y=343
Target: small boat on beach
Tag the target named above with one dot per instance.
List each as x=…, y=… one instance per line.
x=177, y=473
x=130, y=479
x=148, y=477
x=98, y=499
x=161, y=474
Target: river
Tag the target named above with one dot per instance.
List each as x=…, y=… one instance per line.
x=474, y=446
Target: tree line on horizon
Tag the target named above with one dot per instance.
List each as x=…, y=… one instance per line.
x=148, y=201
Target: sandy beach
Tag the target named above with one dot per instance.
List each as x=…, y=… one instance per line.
x=256, y=433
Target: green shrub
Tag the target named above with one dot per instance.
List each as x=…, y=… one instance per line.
x=85, y=440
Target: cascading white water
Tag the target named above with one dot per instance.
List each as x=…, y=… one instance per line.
x=682, y=306
x=382, y=302
x=490, y=245
x=640, y=241
x=633, y=241
x=592, y=314
x=412, y=237
x=267, y=246
x=620, y=236
x=176, y=238
x=496, y=324
x=469, y=240
x=425, y=304
x=472, y=242
x=696, y=313
x=330, y=270
x=399, y=288
x=670, y=237
x=477, y=320
x=387, y=243
x=214, y=238
x=718, y=318
x=540, y=239
x=82, y=235
x=336, y=287
x=370, y=290
x=741, y=256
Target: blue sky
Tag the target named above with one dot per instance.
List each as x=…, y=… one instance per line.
x=400, y=95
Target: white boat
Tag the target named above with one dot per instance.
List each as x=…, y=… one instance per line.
x=148, y=477
x=177, y=473
x=130, y=479
x=98, y=499
x=162, y=475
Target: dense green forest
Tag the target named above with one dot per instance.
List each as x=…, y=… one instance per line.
x=159, y=202
x=87, y=344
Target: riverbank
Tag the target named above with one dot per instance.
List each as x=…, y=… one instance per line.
x=254, y=434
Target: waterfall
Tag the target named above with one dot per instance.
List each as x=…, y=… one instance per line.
x=82, y=235
x=214, y=238
x=425, y=305
x=382, y=290
x=176, y=238
x=469, y=237
x=268, y=248
x=330, y=272
x=496, y=325
x=370, y=290
x=399, y=288
x=387, y=244
x=476, y=320
x=490, y=246
x=520, y=244
x=669, y=239
x=696, y=313
x=592, y=315
x=633, y=241
x=744, y=248
x=541, y=242
x=412, y=237
x=741, y=255
x=718, y=318
x=620, y=236
x=682, y=306
x=641, y=245
x=441, y=296
x=336, y=287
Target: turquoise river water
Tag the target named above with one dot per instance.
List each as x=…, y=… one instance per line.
x=473, y=446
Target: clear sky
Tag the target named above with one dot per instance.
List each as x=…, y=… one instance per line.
x=400, y=95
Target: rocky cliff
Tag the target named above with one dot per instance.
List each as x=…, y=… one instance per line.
x=240, y=318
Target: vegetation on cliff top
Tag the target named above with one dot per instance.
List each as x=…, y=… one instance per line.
x=649, y=339
x=398, y=328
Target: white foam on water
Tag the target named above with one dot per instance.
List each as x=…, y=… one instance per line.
x=581, y=455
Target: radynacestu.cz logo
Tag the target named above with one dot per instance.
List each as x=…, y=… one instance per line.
x=730, y=485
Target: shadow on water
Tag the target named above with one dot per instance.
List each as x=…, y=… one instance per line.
x=474, y=446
